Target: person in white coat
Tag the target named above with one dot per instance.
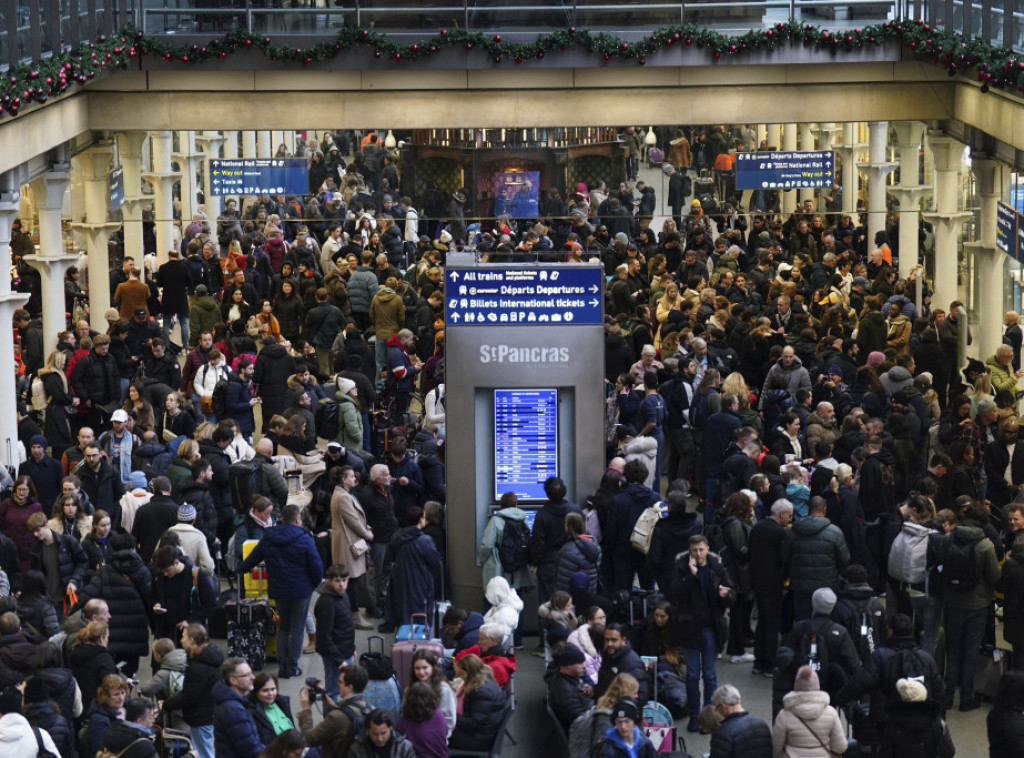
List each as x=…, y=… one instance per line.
x=506, y=606
x=807, y=726
x=643, y=449
x=16, y=735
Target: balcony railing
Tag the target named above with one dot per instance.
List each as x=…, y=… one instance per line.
x=33, y=29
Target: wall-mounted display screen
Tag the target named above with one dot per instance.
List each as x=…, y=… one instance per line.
x=525, y=441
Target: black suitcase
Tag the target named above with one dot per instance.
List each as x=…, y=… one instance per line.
x=218, y=624
x=247, y=637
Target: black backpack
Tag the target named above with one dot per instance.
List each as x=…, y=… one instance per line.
x=803, y=645
x=357, y=721
x=326, y=419
x=959, y=564
x=514, y=548
x=219, y=401
x=699, y=410
x=246, y=480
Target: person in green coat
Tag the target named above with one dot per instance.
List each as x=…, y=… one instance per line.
x=487, y=555
x=203, y=314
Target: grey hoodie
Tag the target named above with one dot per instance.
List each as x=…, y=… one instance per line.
x=158, y=687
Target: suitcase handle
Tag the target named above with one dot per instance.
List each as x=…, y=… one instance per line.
x=425, y=617
x=369, y=642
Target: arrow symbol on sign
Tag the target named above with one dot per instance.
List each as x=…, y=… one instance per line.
x=455, y=317
x=455, y=276
x=216, y=173
x=594, y=288
x=595, y=303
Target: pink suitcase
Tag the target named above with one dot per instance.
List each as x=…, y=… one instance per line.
x=402, y=653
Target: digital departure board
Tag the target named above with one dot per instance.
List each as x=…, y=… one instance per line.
x=525, y=441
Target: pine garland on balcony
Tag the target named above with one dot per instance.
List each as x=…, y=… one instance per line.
x=26, y=85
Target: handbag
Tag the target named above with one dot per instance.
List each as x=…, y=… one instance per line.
x=206, y=403
x=359, y=548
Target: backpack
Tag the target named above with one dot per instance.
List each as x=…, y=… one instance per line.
x=326, y=419
x=868, y=622
x=514, y=548
x=357, y=721
x=643, y=530
x=699, y=410
x=37, y=395
x=219, y=401
x=246, y=479
x=712, y=532
x=803, y=650
x=175, y=683
x=910, y=666
x=42, y=752
x=958, y=563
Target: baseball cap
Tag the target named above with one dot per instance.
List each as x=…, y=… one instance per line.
x=119, y=415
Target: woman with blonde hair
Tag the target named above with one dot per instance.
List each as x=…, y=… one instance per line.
x=589, y=729
x=60, y=404
x=91, y=661
x=670, y=301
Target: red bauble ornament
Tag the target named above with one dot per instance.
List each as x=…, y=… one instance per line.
x=497, y=38
x=248, y=43
x=607, y=57
x=444, y=32
x=469, y=45
x=572, y=30
x=415, y=48
x=376, y=53
x=397, y=57
x=433, y=49
x=642, y=61
x=222, y=55
x=167, y=56
x=624, y=46
x=676, y=36
x=717, y=56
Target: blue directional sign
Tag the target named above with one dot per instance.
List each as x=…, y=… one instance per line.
x=259, y=176
x=1017, y=251
x=1006, y=229
x=116, y=188
x=485, y=296
x=803, y=170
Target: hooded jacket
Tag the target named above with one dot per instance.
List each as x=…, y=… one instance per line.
x=196, y=701
x=789, y=378
x=987, y=568
x=488, y=556
x=294, y=568
x=626, y=509
x=387, y=312
x=804, y=723
x=580, y=553
x=816, y=554
x=202, y=317
x=17, y=737
x=124, y=584
x=362, y=286
x=548, y=533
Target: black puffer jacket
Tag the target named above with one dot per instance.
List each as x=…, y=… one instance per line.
x=478, y=724
x=743, y=734
x=549, y=532
x=96, y=378
x=624, y=661
x=60, y=688
x=916, y=730
x=220, y=487
x=578, y=554
x=47, y=716
x=124, y=584
x=195, y=701
x=90, y=662
x=70, y=557
x=1005, y=732
x=125, y=741
x=816, y=554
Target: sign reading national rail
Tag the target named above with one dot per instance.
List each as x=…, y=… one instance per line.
x=544, y=295
x=1006, y=229
x=259, y=176
x=798, y=170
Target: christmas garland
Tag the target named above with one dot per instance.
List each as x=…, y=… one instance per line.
x=38, y=82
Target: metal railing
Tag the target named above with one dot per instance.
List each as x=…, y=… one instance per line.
x=33, y=29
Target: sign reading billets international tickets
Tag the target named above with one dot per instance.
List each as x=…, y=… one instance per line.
x=532, y=294
x=259, y=176
x=796, y=170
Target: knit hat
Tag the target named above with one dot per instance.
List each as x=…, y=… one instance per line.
x=622, y=237
x=570, y=656
x=764, y=237
x=201, y=290
x=823, y=601
x=345, y=385
x=112, y=314
x=911, y=691
x=446, y=236
x=137, y=480
x=834, y=370
x=625, y=709
x=668, y=168
x=986, y=405
x=875, y=359
x=860, y=281
x=37, y=439
x=806, y=680
x=187, y=512
x=925, y=377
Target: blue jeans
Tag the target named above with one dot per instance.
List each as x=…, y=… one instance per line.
x=182, y=322
x=700, y=662
x=331, y=666
x=292, y=613
x=928, y=615
x=202, y=740
x=965, y=628
x=380, y=352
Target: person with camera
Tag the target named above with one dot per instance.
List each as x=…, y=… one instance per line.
x=343, y=719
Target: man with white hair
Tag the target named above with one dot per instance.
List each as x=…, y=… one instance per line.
x=1000, y=365
x=741, y=734
x=379, y=506
x=1013, y=336
x=765, y=551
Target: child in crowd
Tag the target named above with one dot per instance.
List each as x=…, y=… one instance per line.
x=797, y=491
x=170, y=676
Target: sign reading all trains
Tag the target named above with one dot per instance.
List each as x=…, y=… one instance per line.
x=532, y=294
x=784, y=170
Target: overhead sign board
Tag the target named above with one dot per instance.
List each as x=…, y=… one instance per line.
x=1006, y=229
x=796, y=170
x=487, y=296
x=1017, y=251
x=116, y=188
x=259, y=176
x=525, y=441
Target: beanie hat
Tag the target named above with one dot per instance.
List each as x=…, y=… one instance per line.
x=625, y=708
x=806, y=680
x=570, y=656
x=875, y=359
x=823, y=601
x=834, y=370
x=345, y=386
x=37, y=439
x=668, y=168
x=187, y=512
x=137, y=480
x=986, y=405
x=911, y=691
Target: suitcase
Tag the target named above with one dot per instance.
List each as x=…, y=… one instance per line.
x=218, y=624
x=247, y=637
x=384, y=693
x=402, y=653
x=704, y=184
x=412, y=630
x=992, y=664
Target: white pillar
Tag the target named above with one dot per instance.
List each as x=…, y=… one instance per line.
x=162, y=179
x=130, y=149
x=787, y=198
x=52, y=263
x=263, y=149
x=806, y=145
x=9, y=302
x=249, y=144
x=230, y=145
x=189, y=159
x=909, y=193
x=210, y=142
x=93, y=165
x=877, y=169
x=946, y=219
x=991, y=178
x=850, y=151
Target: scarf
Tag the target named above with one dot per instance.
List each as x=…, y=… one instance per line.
x=266, y=524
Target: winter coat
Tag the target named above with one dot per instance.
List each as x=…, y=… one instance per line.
x=158, y=686
x=697, y=610
x=202, y=673
x=234, y=729
x=70, y=559
x=1011, y=584
x=782, y=378
x=578, y=554
x=415, y=558
x=506, y=605
x=288, y=310
x=17, y=737
x=259, y=715
x=294, y=568
x=128, y=741
x=90, y=662
x=380, y=512
x=151, y=521
x=765, y=547
x=97, y=379
x=400, y=747
x=407, y=495
x=819, y=430
x=348, y=524
x=580, y=637
x=742, y=735
x=335, y=628
x=322, y=324
x=47, y=717
x=645, y=450
x=478, y=724
x=175, y=595
x=124, y=583
x=58, y=394
x=488, y=556
x=13, y=520
x=805, y=722
x=623, y=661
x=38, y=617
x=1005, y=727
x=626, y=509
x=816, y=554
x=916, y=730
x=104, y=489
x=362, y=286
x=350, y=423
x=908, y=555
x=670, y=538
x=46, y=475
x=548, y=533
x=202, y=317
x=99, y=719
x=987, y=568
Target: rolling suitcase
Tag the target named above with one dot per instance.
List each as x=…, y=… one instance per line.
x=412, y=630
x=417, y=638
x=247, y=635
x=992, y=664
x=382, y=689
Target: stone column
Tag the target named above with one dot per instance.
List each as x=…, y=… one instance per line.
x=52, y=263
x=909, y=193
x=849, y=151
x=130, y=149
x=876, y=169
x=94, y=167
x=787, y=198
x=263, y=149
x=946, y=219
x=9, y=302
x=230, y=145
x=162, y=179
x=210, y=142
x=189, y=159
x=991, y=177
x=807, y=145
x=249, y=145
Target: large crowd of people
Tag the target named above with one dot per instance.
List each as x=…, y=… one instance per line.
x=839, y=485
